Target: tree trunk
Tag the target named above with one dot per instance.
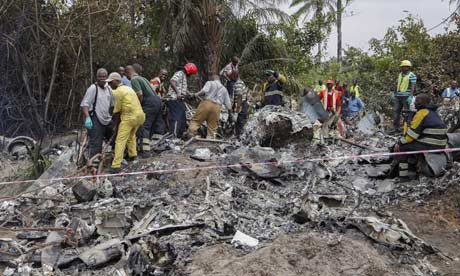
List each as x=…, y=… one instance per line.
x=214, y=35
x=319, y=54
x=339, y=31
x=320, y=19
x=90, y=41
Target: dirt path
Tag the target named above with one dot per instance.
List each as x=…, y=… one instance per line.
x=437, y=221
x=309, y=253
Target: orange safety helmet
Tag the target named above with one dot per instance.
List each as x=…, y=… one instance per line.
x=330, y=82
x=190, y=69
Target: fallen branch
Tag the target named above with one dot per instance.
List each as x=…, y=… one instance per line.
x=354, y=144
x=166, y=230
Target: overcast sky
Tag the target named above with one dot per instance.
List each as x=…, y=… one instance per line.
x=372, y=18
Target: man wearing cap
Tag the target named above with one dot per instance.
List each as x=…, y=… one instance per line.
x=332, y=103
x=273, y=88
x=331, y=98
x=175, y=99
x=404, y=94
x=128, y=117
x=152, y=106
x=95, y=106
x=158, y=83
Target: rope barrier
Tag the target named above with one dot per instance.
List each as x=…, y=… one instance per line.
x=237, y=165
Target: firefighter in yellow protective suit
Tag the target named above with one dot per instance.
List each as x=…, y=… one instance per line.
x=128, y=116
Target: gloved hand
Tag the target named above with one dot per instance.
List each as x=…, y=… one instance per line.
x=233, y=117
x=88, y=123
x=410, y=100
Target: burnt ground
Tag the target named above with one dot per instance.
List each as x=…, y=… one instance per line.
x=309, y=253
x=436, y=220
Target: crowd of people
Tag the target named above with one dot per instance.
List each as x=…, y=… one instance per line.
x=130, y=110
x=127, y=107
x=422, y=128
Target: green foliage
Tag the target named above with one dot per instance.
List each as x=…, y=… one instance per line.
x=167, y=33
x=436, y=60
x=40, y=163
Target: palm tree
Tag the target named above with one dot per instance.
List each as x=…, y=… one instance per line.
x=198, y=26
x=320, y=7
x=339, y=13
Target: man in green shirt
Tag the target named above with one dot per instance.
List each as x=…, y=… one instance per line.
x=151, y=105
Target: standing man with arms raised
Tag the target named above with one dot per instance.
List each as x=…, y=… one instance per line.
x=95, y=106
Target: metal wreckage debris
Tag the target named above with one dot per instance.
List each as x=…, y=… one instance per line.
x=157, y=223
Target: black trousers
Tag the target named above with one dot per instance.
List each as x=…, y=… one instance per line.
x=230, y=85
x=399, y=104
x=407, y=168
x=97, y=134
x=154, y=124
x=242, y=119
x=177, y=117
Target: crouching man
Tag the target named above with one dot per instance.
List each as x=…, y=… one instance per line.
x=427, y=132
x=128, y=117
x=209, y=109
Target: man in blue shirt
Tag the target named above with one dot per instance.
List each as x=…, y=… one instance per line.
x=355, y=105
x=450, y=92
x=404, y=92
x=124, y=79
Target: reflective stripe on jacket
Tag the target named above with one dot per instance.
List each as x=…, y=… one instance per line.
x=274, y=88
x=428, y=128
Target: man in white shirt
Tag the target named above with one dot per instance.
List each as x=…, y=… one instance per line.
x=216, y=95
x=228, y=73
x=96, y=106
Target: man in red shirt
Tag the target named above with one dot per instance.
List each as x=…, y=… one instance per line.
x=339, y=87
x=331, y=98
x=332, y=103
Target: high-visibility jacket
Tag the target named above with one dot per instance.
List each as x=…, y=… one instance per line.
x=318, y=88
x=450, y=92
x=404, y=82
x=427, y=128
x=355, y=88
x=336, y=103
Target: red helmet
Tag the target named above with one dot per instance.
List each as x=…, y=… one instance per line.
x=330, y=82
x=190, y=69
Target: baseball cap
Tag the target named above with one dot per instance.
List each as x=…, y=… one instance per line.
x=113, y=76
